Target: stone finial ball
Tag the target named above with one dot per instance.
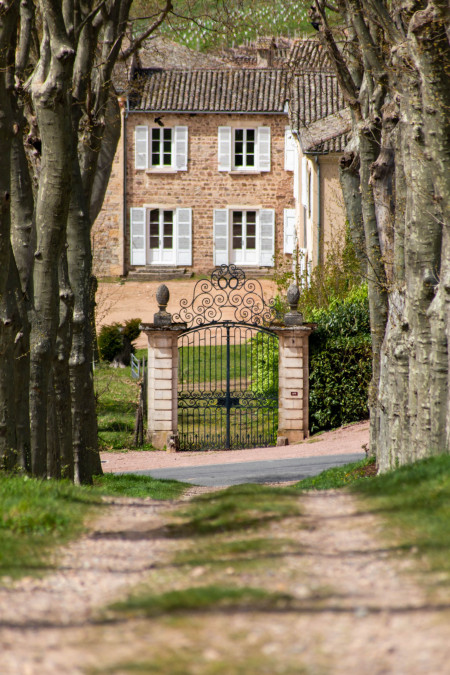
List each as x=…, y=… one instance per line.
x=293, y=296
x=162, y=296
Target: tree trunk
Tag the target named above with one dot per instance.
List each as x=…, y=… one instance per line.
x=52, y=106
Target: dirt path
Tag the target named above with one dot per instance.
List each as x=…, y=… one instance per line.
x=358, y=610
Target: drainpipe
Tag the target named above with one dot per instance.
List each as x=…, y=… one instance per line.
x=319, y=224
x=124, y=178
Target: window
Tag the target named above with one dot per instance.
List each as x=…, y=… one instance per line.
x=161, y=236
x=290, y=150
x=161, y=148
x=244, y=230
x=161, y=229
x=244, y=237
x=244, y=149
x=289, y=235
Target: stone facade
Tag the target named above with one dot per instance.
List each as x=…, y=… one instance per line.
x=202, y=187
x=108, y=229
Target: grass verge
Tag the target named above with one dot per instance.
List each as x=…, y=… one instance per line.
x=340, y=476
x=202, y=599
x=132, y=485
x=414, y=502
x=37, y=516
x=238, y=508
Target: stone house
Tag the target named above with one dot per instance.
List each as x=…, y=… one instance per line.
x=212, y=168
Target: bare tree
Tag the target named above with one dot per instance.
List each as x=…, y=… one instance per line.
x=57, y=105
x=393, y=64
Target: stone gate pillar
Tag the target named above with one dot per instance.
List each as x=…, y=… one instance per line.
x=293, y=374
x=162, y=377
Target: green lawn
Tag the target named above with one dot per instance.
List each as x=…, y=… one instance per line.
x=37, y=516
x=117, y=396
x=209, y=363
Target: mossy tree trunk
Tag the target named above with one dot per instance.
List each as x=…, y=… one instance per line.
x=401, y=137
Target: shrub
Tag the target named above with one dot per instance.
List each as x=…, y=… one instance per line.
x=112, y=338
x=340, y=362
x=110, y=341
x=131, y=329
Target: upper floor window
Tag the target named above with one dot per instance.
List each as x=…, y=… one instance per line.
x=161, y=148
x=244, y=149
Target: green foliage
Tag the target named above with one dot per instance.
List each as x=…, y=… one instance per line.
x=335, y=299
x=225, y=23
x=111, y=338
x=265, y=364
x=110, y=341
x=340, y=362
x=131, y=329
x=336, y=278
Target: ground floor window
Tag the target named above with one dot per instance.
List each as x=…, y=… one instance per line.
x=161, y=236
x=244, y=237
x=160, y=240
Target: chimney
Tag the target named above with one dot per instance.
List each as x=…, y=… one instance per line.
x=264, y=52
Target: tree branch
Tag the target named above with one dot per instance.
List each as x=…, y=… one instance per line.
x=137, y=43
x=349, y=89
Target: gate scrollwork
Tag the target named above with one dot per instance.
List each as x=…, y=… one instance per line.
x=227, y=296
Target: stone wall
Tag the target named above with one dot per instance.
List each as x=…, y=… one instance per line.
x=107, y=232
x=202, y=187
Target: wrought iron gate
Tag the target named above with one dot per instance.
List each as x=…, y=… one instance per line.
x=228, y=365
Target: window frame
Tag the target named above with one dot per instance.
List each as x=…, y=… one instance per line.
x=161, y=151
x=245, y=166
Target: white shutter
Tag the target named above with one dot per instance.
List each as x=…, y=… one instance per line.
x=266, y=237
x=296, y=178
x=181, y=148
x=184, y=236
x=221, y=236
x=264, y=148
x=224, y=148
x=304, y=182
x=290, y=150
x=289, y=230
x=141, y=147
x=137, y=236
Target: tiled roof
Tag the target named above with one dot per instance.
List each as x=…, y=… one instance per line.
x=160, y=52
x=212, y=90
x=318, y=113
x=309, y=55
x=315, y=95
x=336, y=144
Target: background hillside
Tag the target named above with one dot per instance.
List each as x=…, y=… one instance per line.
x=212, y=24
